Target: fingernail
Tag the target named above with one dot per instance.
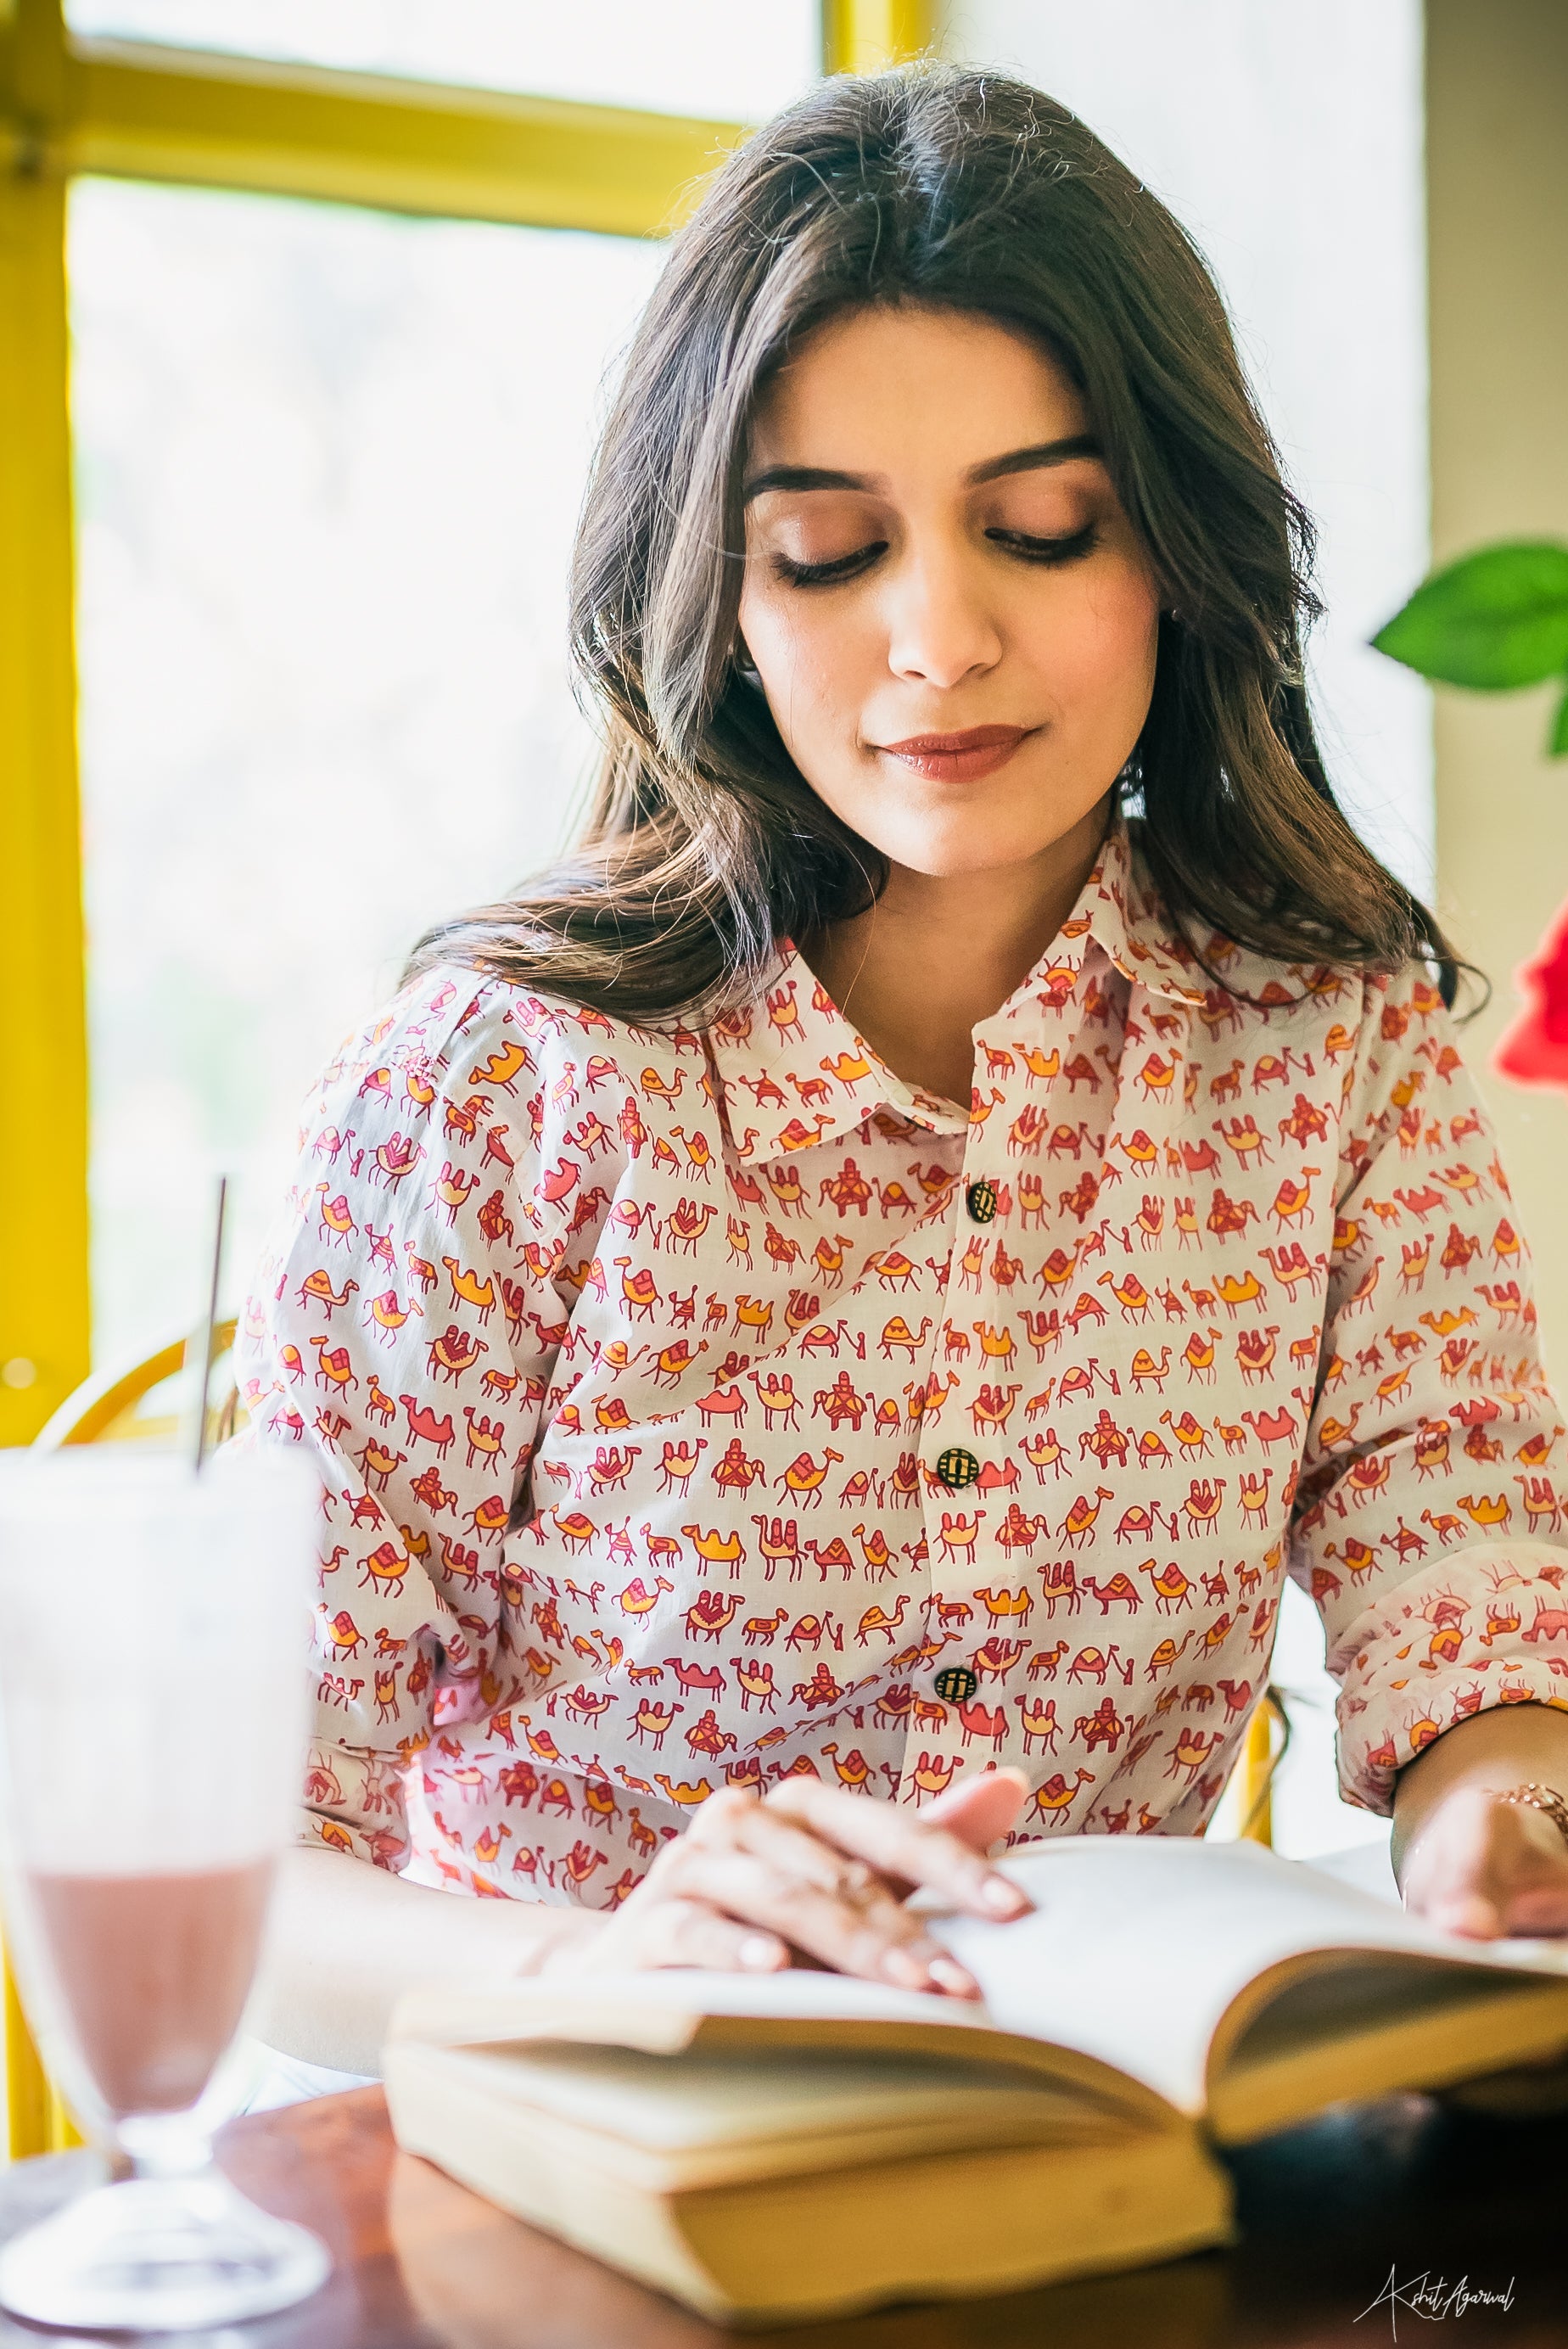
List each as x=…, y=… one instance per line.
x=1002, y=1895
x=760, y=1953
x=901, y=1966
x=949, y=1975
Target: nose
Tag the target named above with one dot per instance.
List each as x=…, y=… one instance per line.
x=940, y=629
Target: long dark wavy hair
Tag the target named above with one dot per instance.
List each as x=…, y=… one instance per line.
x=704, y=846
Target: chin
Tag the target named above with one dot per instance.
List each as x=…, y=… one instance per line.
x=964, y=844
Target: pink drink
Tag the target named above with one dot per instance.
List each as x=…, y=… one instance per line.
x=153, y=1973
x=153, y=1734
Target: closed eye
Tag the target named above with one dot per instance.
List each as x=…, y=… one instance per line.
x=1047, y=550
x=823, y=575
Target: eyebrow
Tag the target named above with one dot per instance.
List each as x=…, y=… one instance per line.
x=992, y=468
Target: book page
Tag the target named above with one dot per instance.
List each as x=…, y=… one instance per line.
x=1133, y=1953
x=706, y=2101
x=658, y=2010
x=683, y=2012
x=1135, y=1949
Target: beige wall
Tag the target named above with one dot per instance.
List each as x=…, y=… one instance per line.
x=1497, y=134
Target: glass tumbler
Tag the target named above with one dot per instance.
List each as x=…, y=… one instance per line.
x=153, y=1642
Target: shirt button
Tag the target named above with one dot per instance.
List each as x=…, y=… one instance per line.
x=958, y=1683
x=981, y=1201
x=956, y=1469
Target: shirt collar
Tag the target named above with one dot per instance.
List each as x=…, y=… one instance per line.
x=1122, y=912
x=794, y=1071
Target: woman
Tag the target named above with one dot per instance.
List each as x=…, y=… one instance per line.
x=862, y=1281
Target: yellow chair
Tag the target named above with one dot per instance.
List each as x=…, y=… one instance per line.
x=110, y=1408
x=1251, y=1781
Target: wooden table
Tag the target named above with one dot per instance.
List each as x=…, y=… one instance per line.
x=1328, y=2210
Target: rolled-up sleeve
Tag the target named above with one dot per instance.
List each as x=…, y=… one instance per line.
x=1429, y=1529
x=404, y=1326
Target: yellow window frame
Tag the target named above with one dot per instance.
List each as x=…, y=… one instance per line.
x=136, y=110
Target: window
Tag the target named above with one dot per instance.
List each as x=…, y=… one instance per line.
x=674, y=56
x=328, y=463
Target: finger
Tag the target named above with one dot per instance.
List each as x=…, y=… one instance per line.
x=795, y=1853
x=860, y=1929
x=901, y=1844
x=1444, y=1876
x=838, y=1895
x=981, y=1807
x=1538, y=1908
x=1482, y=1868
x=814, y=1890
x=1527, y=1871
x=830, y=1894
x=683, y=1930
x=796, y=1850
x=860, y=1899
x=1459, y=1910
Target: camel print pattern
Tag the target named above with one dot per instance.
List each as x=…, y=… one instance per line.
x=697, y=1408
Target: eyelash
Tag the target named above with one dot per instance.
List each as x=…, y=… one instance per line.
x=1048, y=553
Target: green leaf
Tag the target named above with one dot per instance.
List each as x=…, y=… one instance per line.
x=1495, y=620
x=1558, y=746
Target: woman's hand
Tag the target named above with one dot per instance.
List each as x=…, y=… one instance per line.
x=1481, y=1866
x=809, y=1872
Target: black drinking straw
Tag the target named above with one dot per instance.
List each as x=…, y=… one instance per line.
x=210, y=1335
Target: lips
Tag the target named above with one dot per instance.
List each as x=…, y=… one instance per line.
x=957, y=758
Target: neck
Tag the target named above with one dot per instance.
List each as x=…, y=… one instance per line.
x=937, y=955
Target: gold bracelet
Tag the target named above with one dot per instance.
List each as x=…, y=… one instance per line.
x=1531, y=1795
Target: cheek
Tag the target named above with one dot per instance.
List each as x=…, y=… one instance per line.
x=814, y=660
x=1096, y=649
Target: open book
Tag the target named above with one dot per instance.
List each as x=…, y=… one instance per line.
x=800, y=2144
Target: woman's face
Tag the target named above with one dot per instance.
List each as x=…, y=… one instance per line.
x=954, y=623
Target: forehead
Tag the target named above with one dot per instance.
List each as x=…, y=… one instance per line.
x=885, y=382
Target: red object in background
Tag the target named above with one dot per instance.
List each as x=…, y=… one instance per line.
x=1534, y=1050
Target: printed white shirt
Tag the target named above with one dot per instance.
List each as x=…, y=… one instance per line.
x=697, y=1408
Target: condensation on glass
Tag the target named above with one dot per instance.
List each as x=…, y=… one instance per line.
x=329, y=465
x=704, y=58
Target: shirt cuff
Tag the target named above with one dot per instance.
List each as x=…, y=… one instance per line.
x=355, y=1804
x=1478, y=1627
